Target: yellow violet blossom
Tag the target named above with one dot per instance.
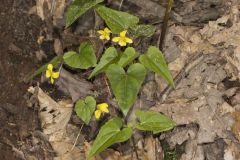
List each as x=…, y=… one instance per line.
x=51, y=74
x=101, y=108
x=122, y=39
x=105, y=34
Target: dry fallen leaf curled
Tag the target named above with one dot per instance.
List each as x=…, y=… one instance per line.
x=54, y=117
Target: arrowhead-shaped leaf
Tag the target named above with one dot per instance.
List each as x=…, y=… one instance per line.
x=117, y=21
x=126, y=86
x=155, y=61
x=109, y=134
x=153, y=121
x=77, y=8
x=142, y=30
x=109, y=56
x=84, y=59
x=127, y=57
x=85, y=108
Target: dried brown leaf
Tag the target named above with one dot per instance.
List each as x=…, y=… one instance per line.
x=75, y=87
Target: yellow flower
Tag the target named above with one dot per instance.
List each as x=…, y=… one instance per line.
x=122, y=39
x=103, y=107
x=51, y=74
x=105, y=34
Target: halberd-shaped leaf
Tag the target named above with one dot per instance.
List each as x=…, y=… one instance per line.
x=142, y=30
x=55, y=62
x=155, y=61
x=153, y=121
x=77, y=8
x=84, y=59
x=127, y=57
x=109, y=56
x=126, y=86
x=109, y=134
x=85, y=108
x=117, y=21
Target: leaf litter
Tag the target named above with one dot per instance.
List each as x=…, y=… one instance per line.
x=199, y=95
x=74, y=86
x=54, y=117
x=197, y=105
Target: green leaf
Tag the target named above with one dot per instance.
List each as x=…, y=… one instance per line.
x=109, y=134
x=85, y=108
x=155, y=61
x=153, y=121
x=126, y=86
x=109, y=56
x=143, y=30
x=117, y=21
x=55, y=62
x=84, y=59
x=77, y=8
x=127, y=57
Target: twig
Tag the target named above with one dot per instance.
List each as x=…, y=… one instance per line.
x=120, y=6
x=75, y=142
x=134, y=147
x=108, y=88
x=53, y=6
x=165, y=23
x=190, y=64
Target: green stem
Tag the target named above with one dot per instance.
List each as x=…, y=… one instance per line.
x=165, y=23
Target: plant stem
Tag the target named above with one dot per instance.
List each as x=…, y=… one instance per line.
x=77, y=137
x=60, y=68
x=165, y=23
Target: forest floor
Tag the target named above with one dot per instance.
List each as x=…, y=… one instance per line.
x=202, y=48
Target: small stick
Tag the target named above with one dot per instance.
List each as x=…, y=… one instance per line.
x=108, y=88
x=165, y=23
x=134, y=147
x=120, y=6
x=190, y=64
x=75, y=142
x=53, y=6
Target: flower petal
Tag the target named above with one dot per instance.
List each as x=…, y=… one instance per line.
x=123, y=33
x=101, y=32
x=122, y=43
x=50, y=67
x=48, y=73
x=106, y=30
x=103, y=107
x=52, y=80
x=102, y=37
x=98, y=114
x=116, y=39
x=128, y=40
x=107, y=37
x=55, y=75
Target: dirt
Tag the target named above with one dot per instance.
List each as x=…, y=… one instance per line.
x=18, y=42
